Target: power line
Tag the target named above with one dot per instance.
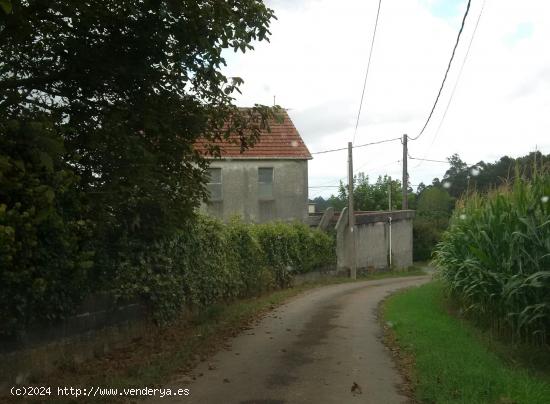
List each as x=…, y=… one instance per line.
x=377, y=167
x=329, y=151
x=446, y=72
x=367, y=72
x=438, y=161
x=433, y=161
x=456, y=84
x=358, y=146
x=378, y=142
x=324, y=186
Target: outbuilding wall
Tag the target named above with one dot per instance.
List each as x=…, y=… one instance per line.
x=372, y=240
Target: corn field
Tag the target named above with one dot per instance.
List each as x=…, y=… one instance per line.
x=495, y=258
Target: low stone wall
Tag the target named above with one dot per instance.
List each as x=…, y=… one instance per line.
x=98, y=326
x=314, y=276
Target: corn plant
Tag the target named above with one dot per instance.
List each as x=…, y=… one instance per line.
x=495, y=257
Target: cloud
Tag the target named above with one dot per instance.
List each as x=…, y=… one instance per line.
x=323, y=119
x=539, y=82
x=315, y=66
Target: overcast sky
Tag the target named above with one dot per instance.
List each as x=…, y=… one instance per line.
x=316, y=61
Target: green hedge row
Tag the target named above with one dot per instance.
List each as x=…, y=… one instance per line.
x=210, y=262
x=45, y=257
x=205, y=262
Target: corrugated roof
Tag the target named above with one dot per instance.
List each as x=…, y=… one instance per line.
x=282, y=142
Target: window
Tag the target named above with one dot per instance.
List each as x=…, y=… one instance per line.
x=214, y=184
x=265, y=183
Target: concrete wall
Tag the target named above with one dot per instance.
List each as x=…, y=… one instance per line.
x=240, y=191
x=372, y=240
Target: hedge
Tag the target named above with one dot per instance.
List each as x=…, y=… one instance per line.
x=45, y=259
x=204, y=262
x=210, y=262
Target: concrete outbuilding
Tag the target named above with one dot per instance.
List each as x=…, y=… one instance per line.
x=382, y=240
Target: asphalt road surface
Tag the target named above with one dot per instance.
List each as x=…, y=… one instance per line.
x=321, y=347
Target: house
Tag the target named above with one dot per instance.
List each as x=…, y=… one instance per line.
x=267, y=182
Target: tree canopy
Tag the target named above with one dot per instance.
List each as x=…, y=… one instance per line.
x=100, y=105
x=128, y=86
x=367, y=196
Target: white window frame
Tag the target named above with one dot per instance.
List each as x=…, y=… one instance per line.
x=211, y=184
x=263, y=185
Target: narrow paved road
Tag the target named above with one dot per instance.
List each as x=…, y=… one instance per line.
x=310, y=350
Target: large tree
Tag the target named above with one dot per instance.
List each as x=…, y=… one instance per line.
x=129, y=86
x=370, y=197
x=100, y=105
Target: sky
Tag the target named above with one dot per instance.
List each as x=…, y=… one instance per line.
x=315, y=66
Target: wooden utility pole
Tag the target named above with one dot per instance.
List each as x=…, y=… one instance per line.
x=351, y=219
x=389, y=195
x=389, y=223
x=405, y=204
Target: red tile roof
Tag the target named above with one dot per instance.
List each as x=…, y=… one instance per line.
x=283, y=142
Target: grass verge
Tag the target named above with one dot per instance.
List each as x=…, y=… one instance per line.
x=154, y=359
x=447, y=360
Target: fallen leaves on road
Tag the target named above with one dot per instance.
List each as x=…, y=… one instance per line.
x=356, y=389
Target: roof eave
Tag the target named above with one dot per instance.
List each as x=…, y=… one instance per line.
x=258, y=158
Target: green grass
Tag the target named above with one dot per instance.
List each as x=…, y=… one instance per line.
x=411, y=271
x=452, y=361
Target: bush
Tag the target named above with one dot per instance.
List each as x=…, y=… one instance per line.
x=294, y=248
x=208, y=262
x=495, y=258
x=254, y=277
x=45, y=258
x=426, y=234
x=432, y=218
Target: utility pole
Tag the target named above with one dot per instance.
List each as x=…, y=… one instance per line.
x=389, y=222
x=351, y=219
x=389, y=196
x=405, y=204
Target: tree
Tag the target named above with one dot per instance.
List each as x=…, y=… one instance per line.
x=433, y=210
x=131, y=85
x=321, y=204
x=369, y=196
x=435, y=203
x=456, y=177
x=112, y=96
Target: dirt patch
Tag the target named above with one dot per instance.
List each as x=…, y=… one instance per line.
x=299, y=354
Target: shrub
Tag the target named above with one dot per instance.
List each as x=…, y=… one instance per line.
x=294, y=248
x=254, y=277
x=432, y=218
x=426, y=234
x=495, y=257
x=209, y=261
x=44, y=244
